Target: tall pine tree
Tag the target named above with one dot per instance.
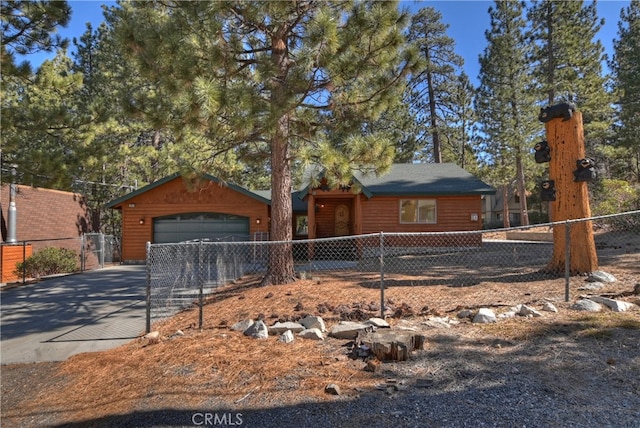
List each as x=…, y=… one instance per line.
x=271, y=79
x=434, y=79
x=503, y=104
x=567, y=59
x=626, y=74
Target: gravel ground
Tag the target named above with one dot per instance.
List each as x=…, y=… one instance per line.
x=570, y=376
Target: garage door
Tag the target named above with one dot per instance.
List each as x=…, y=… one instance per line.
x=208, y=226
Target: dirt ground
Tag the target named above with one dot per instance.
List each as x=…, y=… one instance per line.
x=217, y=368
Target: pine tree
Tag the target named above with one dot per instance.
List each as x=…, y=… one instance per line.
x=28, y=27
x=290, y=80
x=457, y=146
x=435, y=76
x=43, y=129
x=503, y=104
x=626, y=72
x=567, y=61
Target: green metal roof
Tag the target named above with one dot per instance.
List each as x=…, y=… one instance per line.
x=121, y=200
x=404, y=179
x=425, y=179
x=401, y=180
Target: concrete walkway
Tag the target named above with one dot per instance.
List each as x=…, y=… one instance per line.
x=58, y=317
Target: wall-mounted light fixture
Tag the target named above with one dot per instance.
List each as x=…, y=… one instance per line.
x=258, y=221
x=141, y=221
x=474, y=216
x=132, y=205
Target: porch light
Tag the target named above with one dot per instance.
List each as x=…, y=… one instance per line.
x=474, y=216
x=141, y=221
x=258, y=221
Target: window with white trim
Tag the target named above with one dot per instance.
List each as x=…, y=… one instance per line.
x=417, y=211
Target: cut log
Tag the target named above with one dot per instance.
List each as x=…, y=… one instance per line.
x=392, y=345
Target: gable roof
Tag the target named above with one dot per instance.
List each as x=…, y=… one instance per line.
x=119, y=201
x=417, y=179
x=297, y=204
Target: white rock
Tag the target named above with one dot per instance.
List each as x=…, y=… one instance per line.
x=311, y=333
x=347, y=330
x=281, y=327
x=549, y=307
x=592, y=286
x=377, y=322
x=586, y=305
x=437, y=322
x=484, y=316
x=526, y=311
x=258, y=330
x=242, y=325
x=312, y=321
x=153, y=336
x=406, y=328
x=601, y=276
x=508, y=314
x=287, y=337
x=614, y=305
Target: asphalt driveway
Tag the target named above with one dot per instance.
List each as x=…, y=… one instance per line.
x=58, y=317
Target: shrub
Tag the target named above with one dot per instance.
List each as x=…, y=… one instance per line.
x=48, y=261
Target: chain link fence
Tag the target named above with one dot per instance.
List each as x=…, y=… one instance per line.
x=182, y=275
x=93, y=251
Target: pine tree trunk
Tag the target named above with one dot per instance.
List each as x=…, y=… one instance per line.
x=281, y=266
x=566, y=140
x=506, y=221
x=522, y=191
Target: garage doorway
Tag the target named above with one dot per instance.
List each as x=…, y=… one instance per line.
x=204, y=226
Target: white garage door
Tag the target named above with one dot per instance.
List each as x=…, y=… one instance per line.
x=206, y=226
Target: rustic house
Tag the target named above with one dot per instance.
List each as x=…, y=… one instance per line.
x=409, y=198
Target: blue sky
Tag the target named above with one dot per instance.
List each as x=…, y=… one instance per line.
x=467, y=22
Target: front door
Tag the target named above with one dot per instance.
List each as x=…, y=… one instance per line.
x=341, y=220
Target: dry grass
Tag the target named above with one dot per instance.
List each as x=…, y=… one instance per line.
x=219, y=367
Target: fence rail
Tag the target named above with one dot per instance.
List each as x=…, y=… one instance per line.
x=181, y=275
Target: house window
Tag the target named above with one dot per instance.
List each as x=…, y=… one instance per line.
x=417, y=211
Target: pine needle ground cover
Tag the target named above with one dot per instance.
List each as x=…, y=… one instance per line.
x=218, y=368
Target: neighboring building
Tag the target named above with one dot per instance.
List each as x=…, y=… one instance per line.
x=493, y=212
x=45, y=214
x=410, y=198
x=44, y=218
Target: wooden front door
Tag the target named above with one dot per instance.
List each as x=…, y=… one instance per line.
x=341, y=220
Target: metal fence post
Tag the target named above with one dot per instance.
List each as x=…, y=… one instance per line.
x=101, y=250
x=24, y=262
x=82, y=255
x=148, y=261
x=201, y=285
x=382, y=275
x=567, y=259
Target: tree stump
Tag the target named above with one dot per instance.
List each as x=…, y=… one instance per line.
x=566, y=141
x=392, y=345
